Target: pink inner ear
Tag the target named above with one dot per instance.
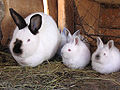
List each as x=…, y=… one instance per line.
x=76, y=41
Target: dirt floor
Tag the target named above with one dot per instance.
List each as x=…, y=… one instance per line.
x=52, y=75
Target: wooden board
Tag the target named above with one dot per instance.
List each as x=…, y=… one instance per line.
x=109, y=1
x=53, y=9
x=109, y=18
x=66, y=14
x=88, y=13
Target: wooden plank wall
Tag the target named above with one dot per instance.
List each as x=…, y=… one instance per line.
x=87, y=14
x=109, y=1
x=98, y=20
x=68, y=13
x=109, y=22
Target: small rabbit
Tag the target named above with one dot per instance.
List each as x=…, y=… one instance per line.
x=65, y=38
x=75, y=54
x=35, y=39
x=106, y=58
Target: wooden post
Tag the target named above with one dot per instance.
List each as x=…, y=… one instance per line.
x=50, y=8
x=66, y=14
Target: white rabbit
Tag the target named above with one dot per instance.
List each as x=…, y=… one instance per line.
x=106, y=58
x=35, y=39
x=65, y=38
x=75, y=54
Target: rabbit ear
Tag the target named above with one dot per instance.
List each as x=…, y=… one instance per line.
x=19, y=20
x=66, y=32
x=35, y=23
x=110, y=44
x=76, y=40
x=77, y=33
x=99, y=42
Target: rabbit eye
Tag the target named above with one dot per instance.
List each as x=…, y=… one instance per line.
x=28, y=40
x=104, y=53
x=69, y=50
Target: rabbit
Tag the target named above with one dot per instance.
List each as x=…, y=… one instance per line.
x=35, y=38
x=106, y=58
x=75, y=54
x=65, y=38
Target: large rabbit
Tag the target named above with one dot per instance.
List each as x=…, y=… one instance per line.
x=75, y=54
x=35, y=39
x=106, y=58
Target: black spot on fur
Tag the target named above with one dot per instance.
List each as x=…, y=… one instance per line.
x=17, y=47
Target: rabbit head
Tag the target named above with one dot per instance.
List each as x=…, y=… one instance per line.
x=106, y=58
x=25, y=37
x=103, y=52
x=70, y=49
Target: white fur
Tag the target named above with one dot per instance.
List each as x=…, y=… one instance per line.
x=109, y=58
x=42, y=46
x=65, y=38
x=78, y=57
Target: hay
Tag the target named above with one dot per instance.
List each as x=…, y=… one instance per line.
x=54, y=76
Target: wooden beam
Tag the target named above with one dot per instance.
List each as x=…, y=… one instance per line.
x=66, y=14
x=53, y=9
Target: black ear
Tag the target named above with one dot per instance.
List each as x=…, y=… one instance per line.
x=35, y=23
x=19, y=20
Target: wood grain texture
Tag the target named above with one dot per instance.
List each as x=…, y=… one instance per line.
x=109, y=1
x=89, y=14
x=109, y=18
x=53, y=9
x=66, y=14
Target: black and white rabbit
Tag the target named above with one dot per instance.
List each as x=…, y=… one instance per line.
x=35, y=39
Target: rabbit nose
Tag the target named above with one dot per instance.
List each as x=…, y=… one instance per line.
x=17, y=47
x=97, y=56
